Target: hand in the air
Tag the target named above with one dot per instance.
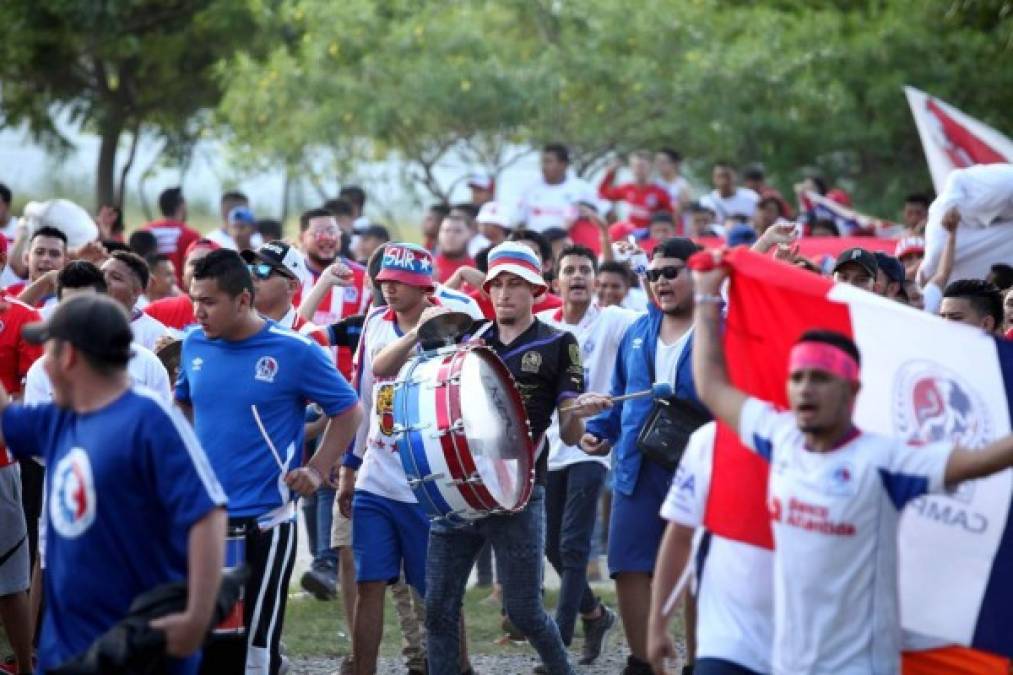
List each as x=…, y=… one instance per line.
x=338, y=274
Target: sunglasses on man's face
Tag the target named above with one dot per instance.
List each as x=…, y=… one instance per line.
x=669, y=272
x=261, y=270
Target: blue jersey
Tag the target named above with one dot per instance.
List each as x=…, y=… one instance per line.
x=124, y=485
x=279, y=372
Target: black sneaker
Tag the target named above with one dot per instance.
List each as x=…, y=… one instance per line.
x=319, y=584
x=595, y=633
x=635, y=666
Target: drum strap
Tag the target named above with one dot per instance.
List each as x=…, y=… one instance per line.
x=481, y=330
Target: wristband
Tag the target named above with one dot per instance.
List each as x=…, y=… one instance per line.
x=708, y=299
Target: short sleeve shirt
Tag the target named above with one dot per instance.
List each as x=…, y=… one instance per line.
x=835, y=517
x=124, y=485
x=16, y=355
x=546, y=365
x=276, y=371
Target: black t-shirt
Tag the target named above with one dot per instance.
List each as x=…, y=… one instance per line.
x=346, y=333
x=545, y=363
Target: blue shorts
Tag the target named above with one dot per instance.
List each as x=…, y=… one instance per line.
x=388, y=536
x=636, y=524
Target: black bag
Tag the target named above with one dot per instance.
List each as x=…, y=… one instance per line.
x=666, y=431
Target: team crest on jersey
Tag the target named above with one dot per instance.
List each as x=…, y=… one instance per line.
x=197, y=363
x=72, y=503
x=574, y=353
x=932, y=404
x=266, y=369
x=351, y=294
x=841, y=480
x=385, y=408
x=531, y=362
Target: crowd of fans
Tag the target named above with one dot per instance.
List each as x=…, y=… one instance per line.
x=592, y=245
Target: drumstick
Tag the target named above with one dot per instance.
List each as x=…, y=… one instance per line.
x=680, y=586
x=263, y=432
x=657, y=390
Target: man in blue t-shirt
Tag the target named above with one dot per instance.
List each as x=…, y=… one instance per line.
x=246, y=382
x=132, y=500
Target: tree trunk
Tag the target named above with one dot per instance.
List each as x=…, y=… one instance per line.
x=105, y=177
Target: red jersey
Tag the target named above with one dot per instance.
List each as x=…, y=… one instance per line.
x=545, y=301
x=16, y=355
x=583, y=232
x=174, y=237
x=444, y=268
x=175, y=312
x=643, y=200
x=340, y=303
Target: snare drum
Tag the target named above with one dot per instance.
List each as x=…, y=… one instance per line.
x=462, y=434
x=235, y=555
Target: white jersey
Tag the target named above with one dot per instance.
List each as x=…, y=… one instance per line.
x=144, y=369
x=834, y=516
x=381, y=472
x=598, y=333
x=679, y=191
x=147, y=329
x=742, y=203
x=734, y=581
x=544, y=205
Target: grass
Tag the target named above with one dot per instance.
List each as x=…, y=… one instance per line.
x=317, y=629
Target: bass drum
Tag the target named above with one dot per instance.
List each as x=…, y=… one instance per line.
x=462, y=434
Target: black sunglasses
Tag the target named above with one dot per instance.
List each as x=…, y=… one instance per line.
x=669, y=272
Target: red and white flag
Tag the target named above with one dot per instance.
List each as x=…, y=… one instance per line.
x=953, y=139
x=923, y=380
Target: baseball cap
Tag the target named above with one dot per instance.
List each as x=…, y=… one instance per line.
x=891, y=267
x=376, y=231
x=741, y=235
x=859, y=256
x=280, y=256
x=201, y=243
x=95, y=324
x=408, y=263
x=516, y=258
x=494, y=213
x=241, y=214
x=482, y=181
x=908, y=245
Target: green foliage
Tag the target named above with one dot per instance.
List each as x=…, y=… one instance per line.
x=118, y=66
x=791, y=83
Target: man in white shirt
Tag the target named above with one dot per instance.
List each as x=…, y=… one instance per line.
x=668, y=162
x=575, y=479
x=237, y=226
x=552, y=200
x=126, y=276
x=144, y=368
x=727, y=199
x=835, y=495
x=734, y=603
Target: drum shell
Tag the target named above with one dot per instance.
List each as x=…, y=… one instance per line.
x=235, y=556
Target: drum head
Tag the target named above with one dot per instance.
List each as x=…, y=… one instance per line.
x=444, y=329
x=496, y=428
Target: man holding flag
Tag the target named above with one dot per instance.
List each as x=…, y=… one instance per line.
x=835, y=493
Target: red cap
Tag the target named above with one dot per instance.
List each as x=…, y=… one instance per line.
x=201, y=243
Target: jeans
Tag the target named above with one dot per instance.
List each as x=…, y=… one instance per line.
x=571, y=506
x=324, y=556
x=518, y=541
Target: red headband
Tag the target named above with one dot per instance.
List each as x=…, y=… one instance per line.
x=822, y=356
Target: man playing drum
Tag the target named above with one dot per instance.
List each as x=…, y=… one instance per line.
x=390, y=532
x=545, y=363
x=246, y=381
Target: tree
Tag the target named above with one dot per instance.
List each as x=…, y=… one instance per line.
x=117, y=67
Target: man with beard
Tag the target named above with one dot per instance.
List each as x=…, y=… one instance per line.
x=320, y=239
x=656, y=348
x=575, y=479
